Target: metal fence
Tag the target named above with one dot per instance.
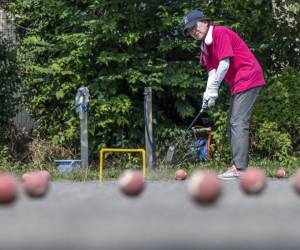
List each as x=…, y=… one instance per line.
x=7, y=28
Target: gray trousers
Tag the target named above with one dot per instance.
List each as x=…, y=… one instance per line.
x=240, y=110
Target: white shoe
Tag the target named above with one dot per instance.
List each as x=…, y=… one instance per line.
x=230, y=174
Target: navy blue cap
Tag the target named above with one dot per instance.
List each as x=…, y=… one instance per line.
x=191, y=18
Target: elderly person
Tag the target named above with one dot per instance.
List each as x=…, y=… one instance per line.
x=226, y=56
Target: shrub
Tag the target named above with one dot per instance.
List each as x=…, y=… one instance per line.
x=270, y=142
x=279, y=102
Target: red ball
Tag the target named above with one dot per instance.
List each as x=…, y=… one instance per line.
x=36, y=184
x=280, y=173
x=180, y=174
x=204, y=187
x=42, y=172
x=8, y=188
x=296, y=181
x=253, y=181
x=131, y=182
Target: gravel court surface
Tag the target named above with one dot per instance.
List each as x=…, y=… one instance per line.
x=97, y=216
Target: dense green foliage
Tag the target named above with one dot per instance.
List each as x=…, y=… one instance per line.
x=277, y=115
x=116, y=48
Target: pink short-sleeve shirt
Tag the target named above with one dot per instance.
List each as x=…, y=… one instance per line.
x=244, y=72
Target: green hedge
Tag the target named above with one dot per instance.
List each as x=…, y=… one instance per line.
x=116, y=48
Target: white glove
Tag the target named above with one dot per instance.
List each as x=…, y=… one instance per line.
x=211, y=93
x=209, y=99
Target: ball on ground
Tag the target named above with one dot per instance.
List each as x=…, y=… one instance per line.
x=180, y=174
x=131, y=182
x=204, y=187
x=280, y=173
x=36, y=184
x=8, y=188
x=42, y=172
x=253, y=180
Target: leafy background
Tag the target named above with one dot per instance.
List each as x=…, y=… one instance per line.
x=116, y=48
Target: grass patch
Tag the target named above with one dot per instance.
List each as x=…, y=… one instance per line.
x=163, y=172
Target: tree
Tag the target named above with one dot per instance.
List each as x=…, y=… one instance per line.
x=117, y=48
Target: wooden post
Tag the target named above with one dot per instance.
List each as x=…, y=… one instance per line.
x=149, y=142
x=82, y=99
x=84, y=141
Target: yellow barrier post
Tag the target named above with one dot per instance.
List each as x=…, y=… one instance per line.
x=123, y=150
